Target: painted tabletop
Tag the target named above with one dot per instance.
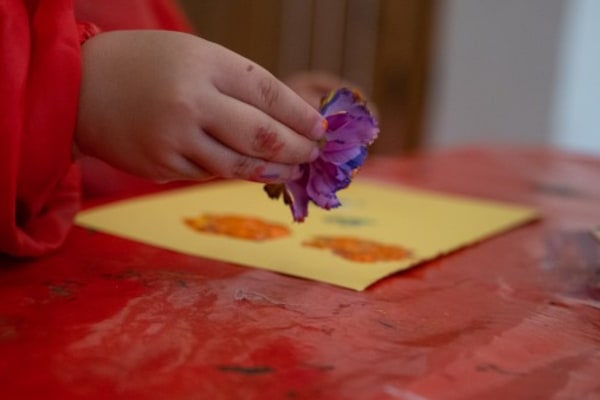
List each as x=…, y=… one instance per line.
x=514, y=317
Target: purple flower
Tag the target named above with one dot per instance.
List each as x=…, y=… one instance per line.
x=351, y=129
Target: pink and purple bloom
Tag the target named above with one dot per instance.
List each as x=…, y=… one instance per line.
x=351, y=128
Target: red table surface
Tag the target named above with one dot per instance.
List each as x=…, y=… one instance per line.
x=514, y=317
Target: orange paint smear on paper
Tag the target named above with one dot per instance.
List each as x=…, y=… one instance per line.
x=239, y=227
x=360, y=250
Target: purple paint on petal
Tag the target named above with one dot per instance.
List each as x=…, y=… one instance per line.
x=324, y=180
x=341, y=156
x=336, y=121
x=358, y=160
x=351, y=129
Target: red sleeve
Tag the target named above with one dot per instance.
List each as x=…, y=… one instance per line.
x=39, y=83
x=111, y=15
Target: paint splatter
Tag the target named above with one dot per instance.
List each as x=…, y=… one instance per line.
x=359, y=250
x=239, y=227
x=347, y=220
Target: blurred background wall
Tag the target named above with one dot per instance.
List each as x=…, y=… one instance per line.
x=576, y=123
x=516, y=72
x=441, y=72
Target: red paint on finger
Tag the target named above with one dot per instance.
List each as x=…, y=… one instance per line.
x=253, y=170
x=258, y=171
x=267, y=143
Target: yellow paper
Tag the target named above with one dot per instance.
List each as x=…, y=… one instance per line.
x=428, y=224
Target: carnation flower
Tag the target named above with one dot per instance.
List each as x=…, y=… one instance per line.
x=351, y=128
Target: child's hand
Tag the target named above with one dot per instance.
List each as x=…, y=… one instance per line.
x=170, y=106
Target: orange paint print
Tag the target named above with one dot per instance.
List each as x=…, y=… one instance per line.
x=239, y=227
x=359, y=250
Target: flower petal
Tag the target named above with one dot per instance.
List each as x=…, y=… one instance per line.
x=358, y=128
x=351, y=128
x=341, y=100
x=297, y=196
x=324, y=181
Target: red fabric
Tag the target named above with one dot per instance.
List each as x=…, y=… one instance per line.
x=86, y=31
x=132, y=14
x=39, y=82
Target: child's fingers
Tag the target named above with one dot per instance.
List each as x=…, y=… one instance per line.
x=246, y=81
x=210, y=155
x=249, y=131
x=180, y=168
